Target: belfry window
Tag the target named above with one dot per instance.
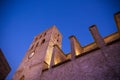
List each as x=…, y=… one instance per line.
x=36, y=38
x=32, y=47
x=37, y=44
x=31, y=55
x=43, y=41
x=57, y=40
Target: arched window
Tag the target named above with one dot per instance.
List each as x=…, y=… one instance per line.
x=31, y=55
x=57, y=40
x=37, y=44
x=43, y=41
x=40, y=36
x=32, y=47
x=36, y=38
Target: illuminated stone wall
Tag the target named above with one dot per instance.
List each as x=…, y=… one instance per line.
x=39, y=54
x=91, y=66
x=99, y=60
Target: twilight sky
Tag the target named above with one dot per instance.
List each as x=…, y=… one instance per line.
x=21, y=20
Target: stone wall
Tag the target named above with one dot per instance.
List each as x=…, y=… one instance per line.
x=99, y=60
x=96, y=65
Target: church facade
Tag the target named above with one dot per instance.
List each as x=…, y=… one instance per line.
x=45, y=59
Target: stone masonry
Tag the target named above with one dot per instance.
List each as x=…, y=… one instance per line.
x=45, y=60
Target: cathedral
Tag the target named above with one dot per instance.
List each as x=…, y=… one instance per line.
x=45, y=60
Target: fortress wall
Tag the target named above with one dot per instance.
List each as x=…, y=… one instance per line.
x=99, y=60
x=93, y=66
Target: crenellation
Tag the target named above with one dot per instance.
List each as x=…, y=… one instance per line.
x=90, y=47
x=68, y=56
x=111, y=38
x=59, y=55
x=97, y=37
x=99, y=43
x=76, y=48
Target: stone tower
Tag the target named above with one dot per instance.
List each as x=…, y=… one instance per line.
x=38, y=56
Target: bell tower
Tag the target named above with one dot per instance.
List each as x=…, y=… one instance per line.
x=38, y=55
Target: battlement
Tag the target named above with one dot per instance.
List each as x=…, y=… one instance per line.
x=59, y=57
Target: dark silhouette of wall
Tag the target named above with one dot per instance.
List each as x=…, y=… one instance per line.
x=4, y=66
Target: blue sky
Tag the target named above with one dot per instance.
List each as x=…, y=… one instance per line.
x=21, y=20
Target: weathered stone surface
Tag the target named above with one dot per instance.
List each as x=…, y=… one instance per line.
x=93, y=66
x=38, y=57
